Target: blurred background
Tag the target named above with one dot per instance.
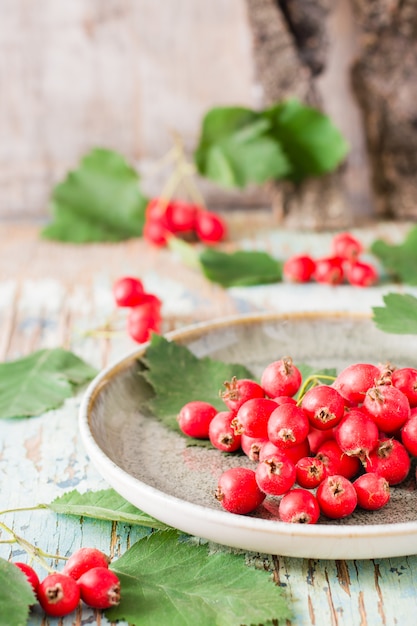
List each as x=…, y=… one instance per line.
x=125, y=74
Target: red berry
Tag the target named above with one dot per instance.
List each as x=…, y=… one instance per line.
x=372, y=490
x=294, y=453
x=337, y=461
x=194, y=418
x=346, y=246
x=361, y=274
x=405, y=379
x=354, y=381
x=388, y=407
x=357, y=435
x=181, y=216
x=210, y=228
x=390, y=460
x=84, y=559
x=221, y=434
x=252, y=446
x=100, y=588
x=30, y=574
x=317, y=437
x=252, y=417
x=299, y=506
x=142, y=321
x=281, y=378
x=409, y=434
x=336, y=497
x=310, y=471
x=329, y=270
x=299, y=268
x=324, y=406
x=238, y=391
x=238, y=491
x=128, y=291
x=156, y=233
x=288, y=426
x=58, y=594
x=275, y=475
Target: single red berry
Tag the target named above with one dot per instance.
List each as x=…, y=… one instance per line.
x=299, y=268
x=390, y=460
x=221, y=433
x=181, y=215
x=252, y=417
x=354, y=381
x=128, y=291
x=405, y=379
x=252, y=446
x=388, y=407
x=357, y=434
x=142, y=321
x=58, y=594
x=372, y=490
x=238, y=492
x=100, y=588
x=336, y=497
x=299, y=506
x=347, y=246
x=361, y=274
x=238, y=390
x=275, y=475
x=409, y=434
x=281, y=378
x=210, y=228
x=337, y=461
x=30, y=574
x=288, y=426
x=324, y=406
x=84, y=559
x=310, y=471
x=194, y=418
x=329, y=270
x=156, y=229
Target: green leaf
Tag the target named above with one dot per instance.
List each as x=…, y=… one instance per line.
x=16, y=595
x=165, y=581
x=99, y=201
x=177, y=376
x=106, y=505
x=308, y=138
x=40, y=382
x=399, y=260
x=241, y=268
x=398, y=316
x=235, y=148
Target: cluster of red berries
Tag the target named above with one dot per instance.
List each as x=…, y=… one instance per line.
x=185, y=219
x=343, y=263
x=144, y=315
x=86, y=576
x=338, y=446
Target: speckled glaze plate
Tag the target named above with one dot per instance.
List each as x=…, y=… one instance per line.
x=154, y=469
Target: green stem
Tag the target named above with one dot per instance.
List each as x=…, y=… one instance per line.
x=36, y=507
x=35, y=553
x=313, y=380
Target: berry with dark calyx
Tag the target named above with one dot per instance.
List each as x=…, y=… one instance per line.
x=324, y=406
x=275, y=475
x=252, y=446
x=361, y=274
x=337, y=461
x=357, y=434
x=390, y=460
x=194, y=418
x=238, y=390
x=299, y=506
x=128, y=291
x=238, y=492
x=100, y=588
x=84, y=559
x=329, y=270
x=281, y=378
x=210, y=228
x=354, y=381
x=30, y=574
x=58, y=594
x=221, y=434
x=405, y=379
x=372, y=490
x=310, y=471
x=252, y=417
x=299, y=268
x=336, y=497
x=388, y=407
x=346, y=246
x=288, y=426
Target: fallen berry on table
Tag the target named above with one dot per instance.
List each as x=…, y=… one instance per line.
x=299, y=268
x=84, y=559
x=329, y=270
x=346, y=246
x=210, y=228
x=30, y=574
x=100, y=588
x=361, y=274
x=128, y=291
x=58, y=594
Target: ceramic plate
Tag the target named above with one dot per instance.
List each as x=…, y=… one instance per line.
x=154, y=469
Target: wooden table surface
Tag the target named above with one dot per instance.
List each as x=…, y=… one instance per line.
x=50, y=293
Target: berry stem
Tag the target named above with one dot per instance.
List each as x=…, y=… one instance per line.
x=312, y=381
x=35, y=553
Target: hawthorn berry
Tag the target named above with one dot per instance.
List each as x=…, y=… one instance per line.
x=310, y=471
x=128, y=291
x=391, y=460
x=142, y=321
x=324, y=406
x=357, y=434
x=221, y=433
x=252, y=446
x=210, y=228
x=354, y=381
x=336, y=497
x=409, y=434
x=299, y=506
x=100, y=588
x=252, y=417
x=84, y=559
x=288, y=426
x=361, y=274
x=388, y=407
x=275, y=474
x=299, y=268
x=405, y=379
x=194, y=418
x=281, y=378
x=337, y=461
x=372, y=490
x=30, y=574
x=58, y=594
x=346, y=246
x=294, y=453
x=238, y=390
x=238, y=491
x=329, y=270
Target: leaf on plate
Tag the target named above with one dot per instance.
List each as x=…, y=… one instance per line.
x=398, y=316
x=241, y=268
x=99, y=201
x=105, y=504
x=235, y=148
x=16, y=595
x=399, y=260
x=311, y=142
x=164, y=581
x=177, y=376
x=40, y=382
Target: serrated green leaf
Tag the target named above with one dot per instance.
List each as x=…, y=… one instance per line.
x=399, y=260
x=40, y=382
x=312, y=144
x=177, y=376
x=105, y=504
x=16, y=595
x=398, y=316
x=235, y=148
x=99, y=201
x=164, y=581
x=241, y=268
